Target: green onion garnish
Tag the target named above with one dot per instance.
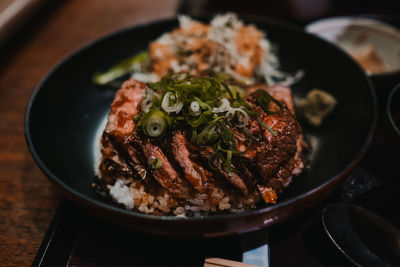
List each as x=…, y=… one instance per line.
x=156, y=163
x=122, y=68
x=263, y=99
x=155, y=123
x=266, y=126
x=215, y=112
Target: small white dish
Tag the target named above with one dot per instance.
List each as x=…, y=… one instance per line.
x=360, y=36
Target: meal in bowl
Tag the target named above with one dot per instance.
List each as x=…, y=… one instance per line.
x=205, y=125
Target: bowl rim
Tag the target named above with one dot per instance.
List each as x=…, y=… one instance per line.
x=131, y=213
x=339, y=21
x=389, y=106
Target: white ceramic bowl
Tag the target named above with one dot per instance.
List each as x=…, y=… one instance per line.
x=355, y=34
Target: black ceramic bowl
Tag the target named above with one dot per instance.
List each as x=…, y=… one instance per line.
x=66, y=110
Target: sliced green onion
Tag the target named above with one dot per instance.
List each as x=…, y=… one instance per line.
x=249, y=135
x=136, y=117
x=263, y=99
x=225, y=105
x=155, y=123
x=122, y=68
x=226, y=135
x=266, y=126
x=227, y=164
x=223, y=76
x=211, y=109
x=195, y=108
x=202, y=104
x=206, y=136
x=237, y=91
x=169, y=98
x=228, y=90
x=215, y=120
x=150, y=99
x=242, y=117
x=147, y=102
x=200, y=120
x=156, y=163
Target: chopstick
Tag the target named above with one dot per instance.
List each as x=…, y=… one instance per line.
x=217, y=262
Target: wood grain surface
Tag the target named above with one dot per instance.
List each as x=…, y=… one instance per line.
x=27, y=200
x=14, y=13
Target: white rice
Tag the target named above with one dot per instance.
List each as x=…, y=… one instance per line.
x=132, y=194
x=122, y=194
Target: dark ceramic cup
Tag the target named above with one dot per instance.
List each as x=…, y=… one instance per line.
x=383, y=84
x=393, y=117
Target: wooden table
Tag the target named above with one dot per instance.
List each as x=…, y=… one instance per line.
x=27, y=200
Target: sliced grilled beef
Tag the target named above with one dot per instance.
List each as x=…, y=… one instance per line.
x=113, y=165
x=120, y=127
x=270, y=156
x=166, y=175
x=232, y=177
x=194, y=173
x=115, y=139
x=276, y=157
x=126, y=104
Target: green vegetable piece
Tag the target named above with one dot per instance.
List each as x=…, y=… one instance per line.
x=120, y=69
x=208, y=129
x=263, y=99
x=199, y=120
x=155, y=123
x=238, y=91
x=202, y=104
x=226, y=135
x=227, y=163
x=223, y=76
x=206, y=136
x=266, y=126
x=136, y=117
x=156, y=163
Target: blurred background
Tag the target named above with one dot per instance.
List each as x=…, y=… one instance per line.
x=296, y=11
x=14, y=13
